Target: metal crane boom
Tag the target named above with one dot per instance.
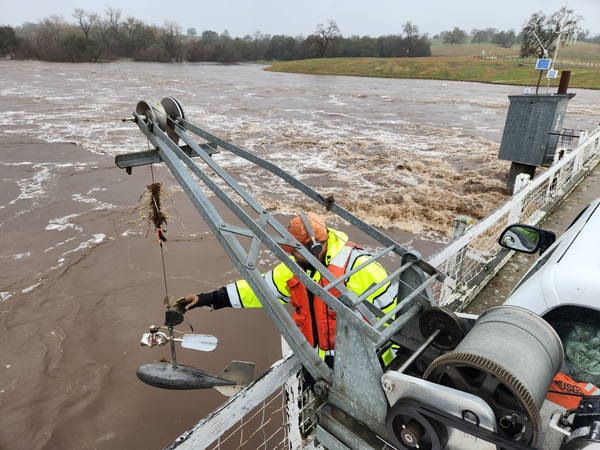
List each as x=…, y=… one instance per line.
x=354, y=386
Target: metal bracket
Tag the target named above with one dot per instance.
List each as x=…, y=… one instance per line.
x=398, y=386
x=246, y=232
x=255, y=246
x=143, y=158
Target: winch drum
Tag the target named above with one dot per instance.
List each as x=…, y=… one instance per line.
x=508, y=359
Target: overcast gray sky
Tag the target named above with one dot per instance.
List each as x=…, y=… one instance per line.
x=362, y=17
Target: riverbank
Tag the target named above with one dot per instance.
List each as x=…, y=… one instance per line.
x=443, y=68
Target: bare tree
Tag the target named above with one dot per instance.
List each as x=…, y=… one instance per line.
x=328, y=37
x=255, y=41
x=49, y=36
x=172, y=39
x=113, y=27
x=54, y=26
x=86, y=21
x=260, y=44
x=137, y=36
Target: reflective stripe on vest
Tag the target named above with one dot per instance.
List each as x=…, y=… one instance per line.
x=347, y=257
x=341, y=259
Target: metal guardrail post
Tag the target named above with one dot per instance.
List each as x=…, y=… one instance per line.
x=456, y=264
x=517, y=208
x=521, y=181
x=577, y=164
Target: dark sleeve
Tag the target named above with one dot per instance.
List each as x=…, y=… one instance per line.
x=217, y=299
x=220, y=299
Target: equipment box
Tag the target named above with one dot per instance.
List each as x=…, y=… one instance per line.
x=530, y=118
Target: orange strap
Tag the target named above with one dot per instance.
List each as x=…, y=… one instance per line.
x=567, y=393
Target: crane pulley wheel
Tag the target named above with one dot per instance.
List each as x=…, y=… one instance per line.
x=174, y=109
x=153, y=111
x=437, y=318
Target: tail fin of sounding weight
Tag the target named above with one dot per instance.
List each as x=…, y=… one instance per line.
x=238, y=372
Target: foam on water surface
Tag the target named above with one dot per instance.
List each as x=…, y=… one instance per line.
x=406, y=154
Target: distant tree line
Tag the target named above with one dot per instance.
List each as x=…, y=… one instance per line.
x=494, y=36
x=92, y=37
x=537, y=31
x=409, y=44
x=585, y=36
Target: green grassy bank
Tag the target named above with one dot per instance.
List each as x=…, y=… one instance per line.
x=440, y=68
x=581, y=51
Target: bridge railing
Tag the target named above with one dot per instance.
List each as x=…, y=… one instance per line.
x=472, y=259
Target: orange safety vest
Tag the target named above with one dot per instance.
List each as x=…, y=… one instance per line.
x=573, y=391
x=323, y=330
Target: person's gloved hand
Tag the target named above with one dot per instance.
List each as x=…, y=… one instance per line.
x=191, y=301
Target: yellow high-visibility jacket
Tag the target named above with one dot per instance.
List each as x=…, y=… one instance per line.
x=241, y=295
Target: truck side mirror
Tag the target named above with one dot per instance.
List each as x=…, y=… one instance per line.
x=526, y=239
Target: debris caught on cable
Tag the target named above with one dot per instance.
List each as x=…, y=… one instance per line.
x=152, y=210
x=170, y=302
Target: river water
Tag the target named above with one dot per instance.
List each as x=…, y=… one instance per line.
x=80, y=283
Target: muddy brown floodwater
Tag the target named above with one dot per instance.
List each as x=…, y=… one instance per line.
x=80, y=283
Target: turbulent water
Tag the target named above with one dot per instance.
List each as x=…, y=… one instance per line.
x=80, y=284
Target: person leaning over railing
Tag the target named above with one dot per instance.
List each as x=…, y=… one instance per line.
x=311, y=314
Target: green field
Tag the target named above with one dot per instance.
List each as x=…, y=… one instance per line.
x=581, y=51
x=440, y=49
x=456, y=68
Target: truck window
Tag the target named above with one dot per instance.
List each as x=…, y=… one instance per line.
x=579, y=331
x=582, y=351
